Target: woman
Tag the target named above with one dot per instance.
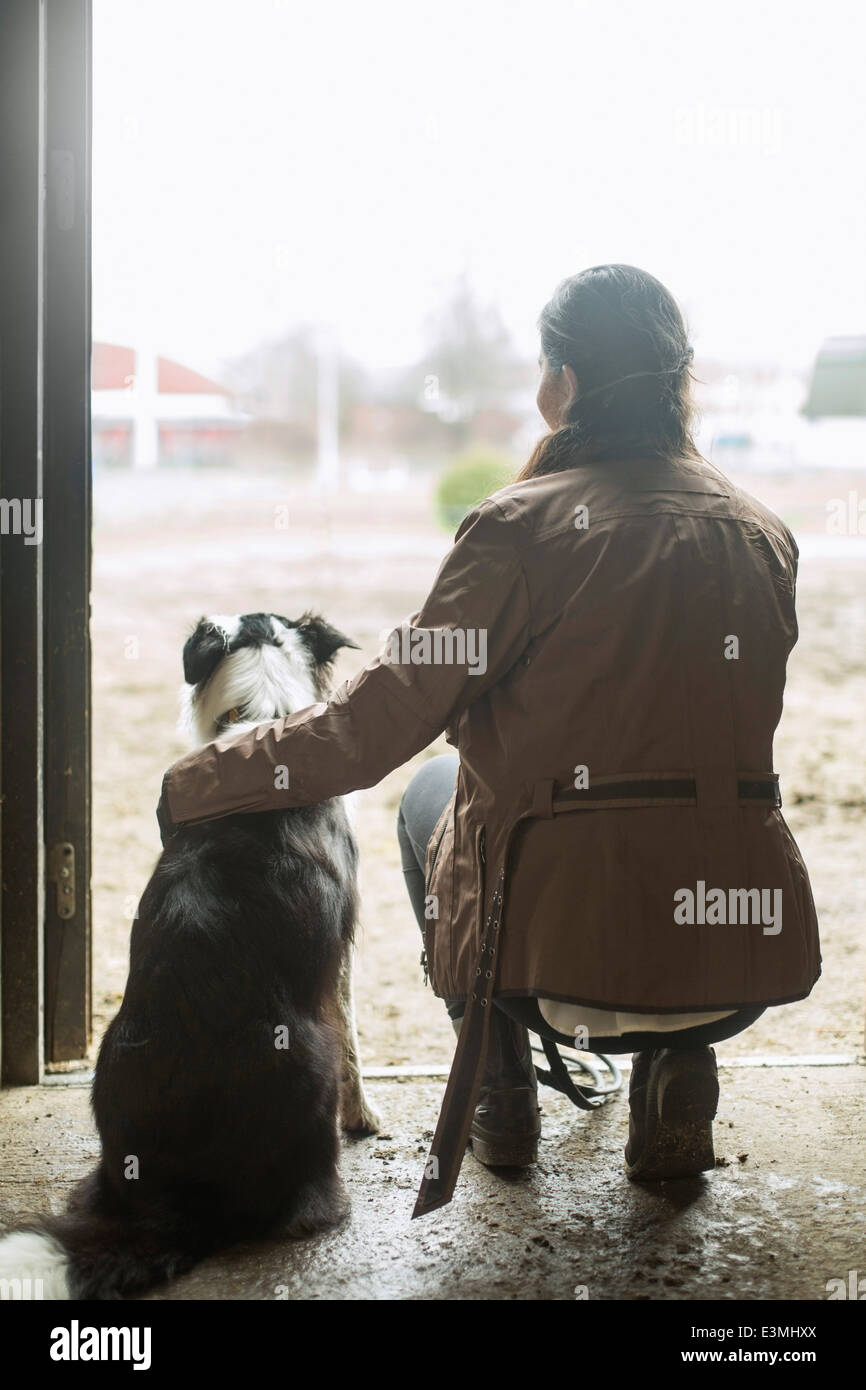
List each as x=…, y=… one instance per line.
x=606, y=646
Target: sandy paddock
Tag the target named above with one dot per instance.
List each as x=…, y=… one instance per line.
x=169, y=547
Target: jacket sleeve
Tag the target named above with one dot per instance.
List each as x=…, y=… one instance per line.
x=393, y=708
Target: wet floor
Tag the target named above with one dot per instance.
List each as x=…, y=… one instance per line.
x=782, y=1215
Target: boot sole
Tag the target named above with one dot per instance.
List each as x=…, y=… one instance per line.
x=681, y=1143
x=516, y=1154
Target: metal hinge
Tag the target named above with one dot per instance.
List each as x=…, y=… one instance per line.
x=61, y=871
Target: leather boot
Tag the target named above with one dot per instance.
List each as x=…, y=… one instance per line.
x=506, y=1127
x=672, y=1097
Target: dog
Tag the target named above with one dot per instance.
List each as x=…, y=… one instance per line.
x=219, y=1082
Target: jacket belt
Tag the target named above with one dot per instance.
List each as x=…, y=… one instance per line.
x=685, y=789
x=464, y=1081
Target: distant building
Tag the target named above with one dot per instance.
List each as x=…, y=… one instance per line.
x=149, y=411
x=748, y=414
x=835, y=408
x=838, y=385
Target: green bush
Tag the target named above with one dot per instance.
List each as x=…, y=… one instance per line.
x=468, y=479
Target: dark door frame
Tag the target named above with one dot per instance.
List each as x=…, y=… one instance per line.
x=45, y=917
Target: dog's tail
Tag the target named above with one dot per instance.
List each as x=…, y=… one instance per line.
x=85, y=1254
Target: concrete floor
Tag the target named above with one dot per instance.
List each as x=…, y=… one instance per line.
x=784, y=1212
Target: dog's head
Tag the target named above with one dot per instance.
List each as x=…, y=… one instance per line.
x=246, y=670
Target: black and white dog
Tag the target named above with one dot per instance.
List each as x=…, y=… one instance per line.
x=219, y=1082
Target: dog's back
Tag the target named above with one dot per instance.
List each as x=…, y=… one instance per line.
x=216, y=1085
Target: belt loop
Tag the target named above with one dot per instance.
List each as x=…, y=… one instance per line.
x=542, y=800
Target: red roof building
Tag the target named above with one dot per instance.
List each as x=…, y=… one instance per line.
x=150, y=411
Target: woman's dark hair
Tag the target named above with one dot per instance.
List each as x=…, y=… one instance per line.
x=623, y=334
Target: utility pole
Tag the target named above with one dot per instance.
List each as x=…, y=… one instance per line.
x=327, y=400
x=145, y=405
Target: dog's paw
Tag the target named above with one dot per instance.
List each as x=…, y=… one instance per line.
x=317, y=1207
x=360, y=1117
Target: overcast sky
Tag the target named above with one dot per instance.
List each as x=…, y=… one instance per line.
x=263, y=162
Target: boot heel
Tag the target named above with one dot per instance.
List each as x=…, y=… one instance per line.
x=506, y=1125
x=682, y=1102
x=684, y=1138
x=505, y=1155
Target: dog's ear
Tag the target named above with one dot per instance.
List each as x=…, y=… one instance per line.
x=203, y=651
x=323, y=640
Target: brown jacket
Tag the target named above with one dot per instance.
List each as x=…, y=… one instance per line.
x=637, y=618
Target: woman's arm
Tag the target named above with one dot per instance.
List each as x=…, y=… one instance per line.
x=390, y=710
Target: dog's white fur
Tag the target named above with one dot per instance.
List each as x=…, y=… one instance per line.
x=27, y=1255
x=265, y=682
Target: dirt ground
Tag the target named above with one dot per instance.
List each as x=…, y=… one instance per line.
x=170, y=547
